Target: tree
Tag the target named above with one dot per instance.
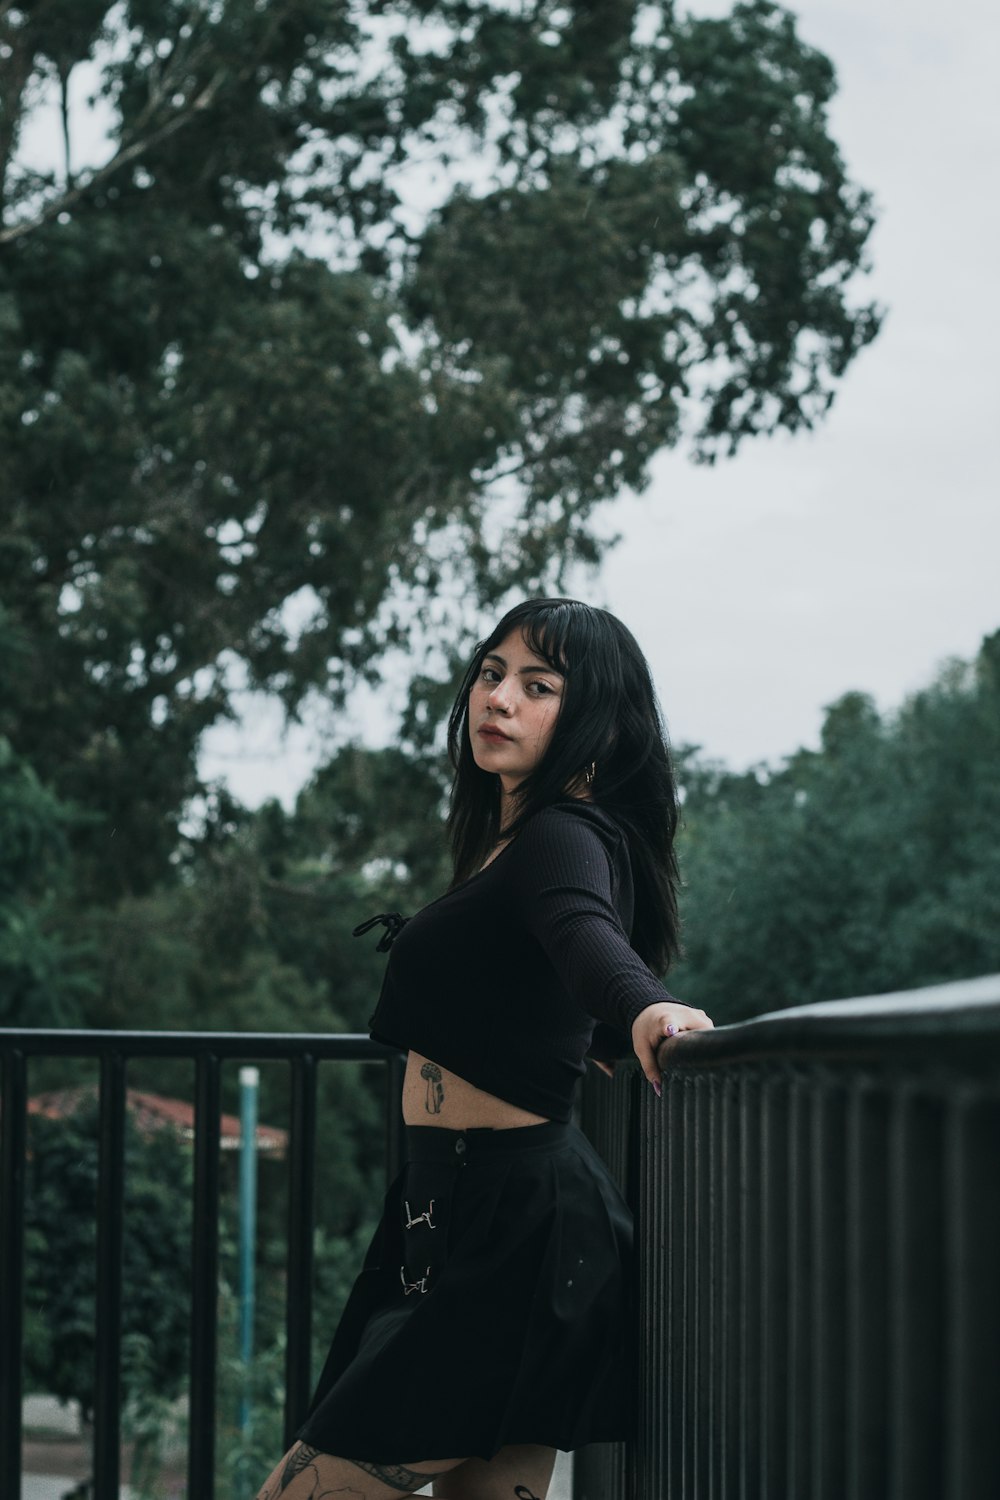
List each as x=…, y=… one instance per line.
x=255, y=934
x=61, y=1276
x=260, y=411
x=39, y=982
x=868, y=865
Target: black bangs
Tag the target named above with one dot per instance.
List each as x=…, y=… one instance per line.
x=546, y=625
x=547, y=634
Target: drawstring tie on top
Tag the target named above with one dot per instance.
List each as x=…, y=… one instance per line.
x=393, y=923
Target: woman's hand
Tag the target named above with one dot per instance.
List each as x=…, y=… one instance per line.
x=657, y=1022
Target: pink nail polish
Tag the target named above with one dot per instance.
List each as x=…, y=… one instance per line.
x=672, y=1030
x=657, y=1088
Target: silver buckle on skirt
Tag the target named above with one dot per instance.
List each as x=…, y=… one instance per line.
x=424, y=1218
x=414, y=1286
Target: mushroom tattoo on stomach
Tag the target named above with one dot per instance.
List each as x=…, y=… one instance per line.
x=435, y=1088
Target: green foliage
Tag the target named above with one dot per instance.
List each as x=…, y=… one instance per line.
x=868, y=865
x=243, y=1456
x=255, y=934
x=61, y=1272
x=61, y=1249
x=255, y=405
x=39, y=984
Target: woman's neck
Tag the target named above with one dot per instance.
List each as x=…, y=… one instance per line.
x=508, y=805
x=508, y=801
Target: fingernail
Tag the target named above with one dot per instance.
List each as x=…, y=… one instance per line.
x=657, y=1088
x=672, y=1030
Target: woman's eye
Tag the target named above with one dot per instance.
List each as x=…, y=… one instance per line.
x=543, y=688
x=490, y=674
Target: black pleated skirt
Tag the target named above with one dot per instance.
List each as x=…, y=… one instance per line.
x=495, y=1305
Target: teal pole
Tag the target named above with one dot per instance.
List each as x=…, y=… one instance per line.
x=249, y=1086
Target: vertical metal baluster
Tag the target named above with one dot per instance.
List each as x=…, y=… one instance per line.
x=12, y=1163
x=701, y=1105
x=823, y=1309
x=667, y=1165
x=853, y=1266
x=764, y=1290
x=873, y=1272
x=659, y=1168
x=793, y=1359
x=730, y=1344
x=897, y=1308
x=709, y=1364
x=204, y=1278
x=301, y=1225
x=696, y=1281
x=922, y=1304
x=110, y=1238
x=973, y=1369
x=751, y=1178
x=635, y=1146
x=830, y=1306
x=957, y=1437
x=680, y=1285
x=648, y=1311
x=774, y=1287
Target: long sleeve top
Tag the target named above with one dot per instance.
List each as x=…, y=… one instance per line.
x=503, y=978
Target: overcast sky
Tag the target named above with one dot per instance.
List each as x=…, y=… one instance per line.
x=861, y=556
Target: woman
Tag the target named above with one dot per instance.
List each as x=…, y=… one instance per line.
x=490, y=1323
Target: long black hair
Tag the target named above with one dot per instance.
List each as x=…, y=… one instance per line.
x=609, y=719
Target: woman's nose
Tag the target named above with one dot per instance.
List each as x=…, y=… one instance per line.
x=499, y=699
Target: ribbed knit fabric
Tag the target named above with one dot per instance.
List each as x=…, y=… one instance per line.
x=502, y=979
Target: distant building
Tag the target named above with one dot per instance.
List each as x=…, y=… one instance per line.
x=152, y=1112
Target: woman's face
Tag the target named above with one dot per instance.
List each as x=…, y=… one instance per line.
x=513, y=708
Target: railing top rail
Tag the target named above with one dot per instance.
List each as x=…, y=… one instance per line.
x=959, y=994
x=956, y=1024
x=278, y=1046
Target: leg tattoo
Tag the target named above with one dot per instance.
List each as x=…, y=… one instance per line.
x=299, y=1461
x=302, y=1462
x=397, y=1476
x=309, y=1473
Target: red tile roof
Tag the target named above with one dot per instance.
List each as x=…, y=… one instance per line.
x=154, y=1112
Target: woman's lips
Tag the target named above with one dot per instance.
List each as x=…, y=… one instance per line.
x=488, y=732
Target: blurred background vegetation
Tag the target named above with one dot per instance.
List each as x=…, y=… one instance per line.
x=331, y=344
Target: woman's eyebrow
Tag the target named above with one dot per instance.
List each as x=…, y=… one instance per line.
x=494, y=656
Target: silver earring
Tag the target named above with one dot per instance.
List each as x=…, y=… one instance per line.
x=590, y=773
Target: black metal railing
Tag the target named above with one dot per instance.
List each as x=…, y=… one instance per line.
x=818, y=1201
x=208, y=1051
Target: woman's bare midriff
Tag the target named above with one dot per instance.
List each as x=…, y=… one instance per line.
x=433, y=1096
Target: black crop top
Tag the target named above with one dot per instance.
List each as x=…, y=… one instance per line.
x=502, y=979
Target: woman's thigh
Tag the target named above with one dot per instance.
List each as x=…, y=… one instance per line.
x=521, y=1472
x=307, y=1474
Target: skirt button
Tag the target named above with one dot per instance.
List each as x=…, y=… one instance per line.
x=460, y=1146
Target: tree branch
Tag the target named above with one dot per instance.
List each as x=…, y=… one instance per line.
x=121, y=158
x=64, y=73
x=15, y=77
x=299, y=892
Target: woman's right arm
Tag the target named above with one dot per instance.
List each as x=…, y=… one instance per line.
x=567, y=902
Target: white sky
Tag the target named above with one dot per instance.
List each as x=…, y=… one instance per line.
x=861, y=556
x=858, y=557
